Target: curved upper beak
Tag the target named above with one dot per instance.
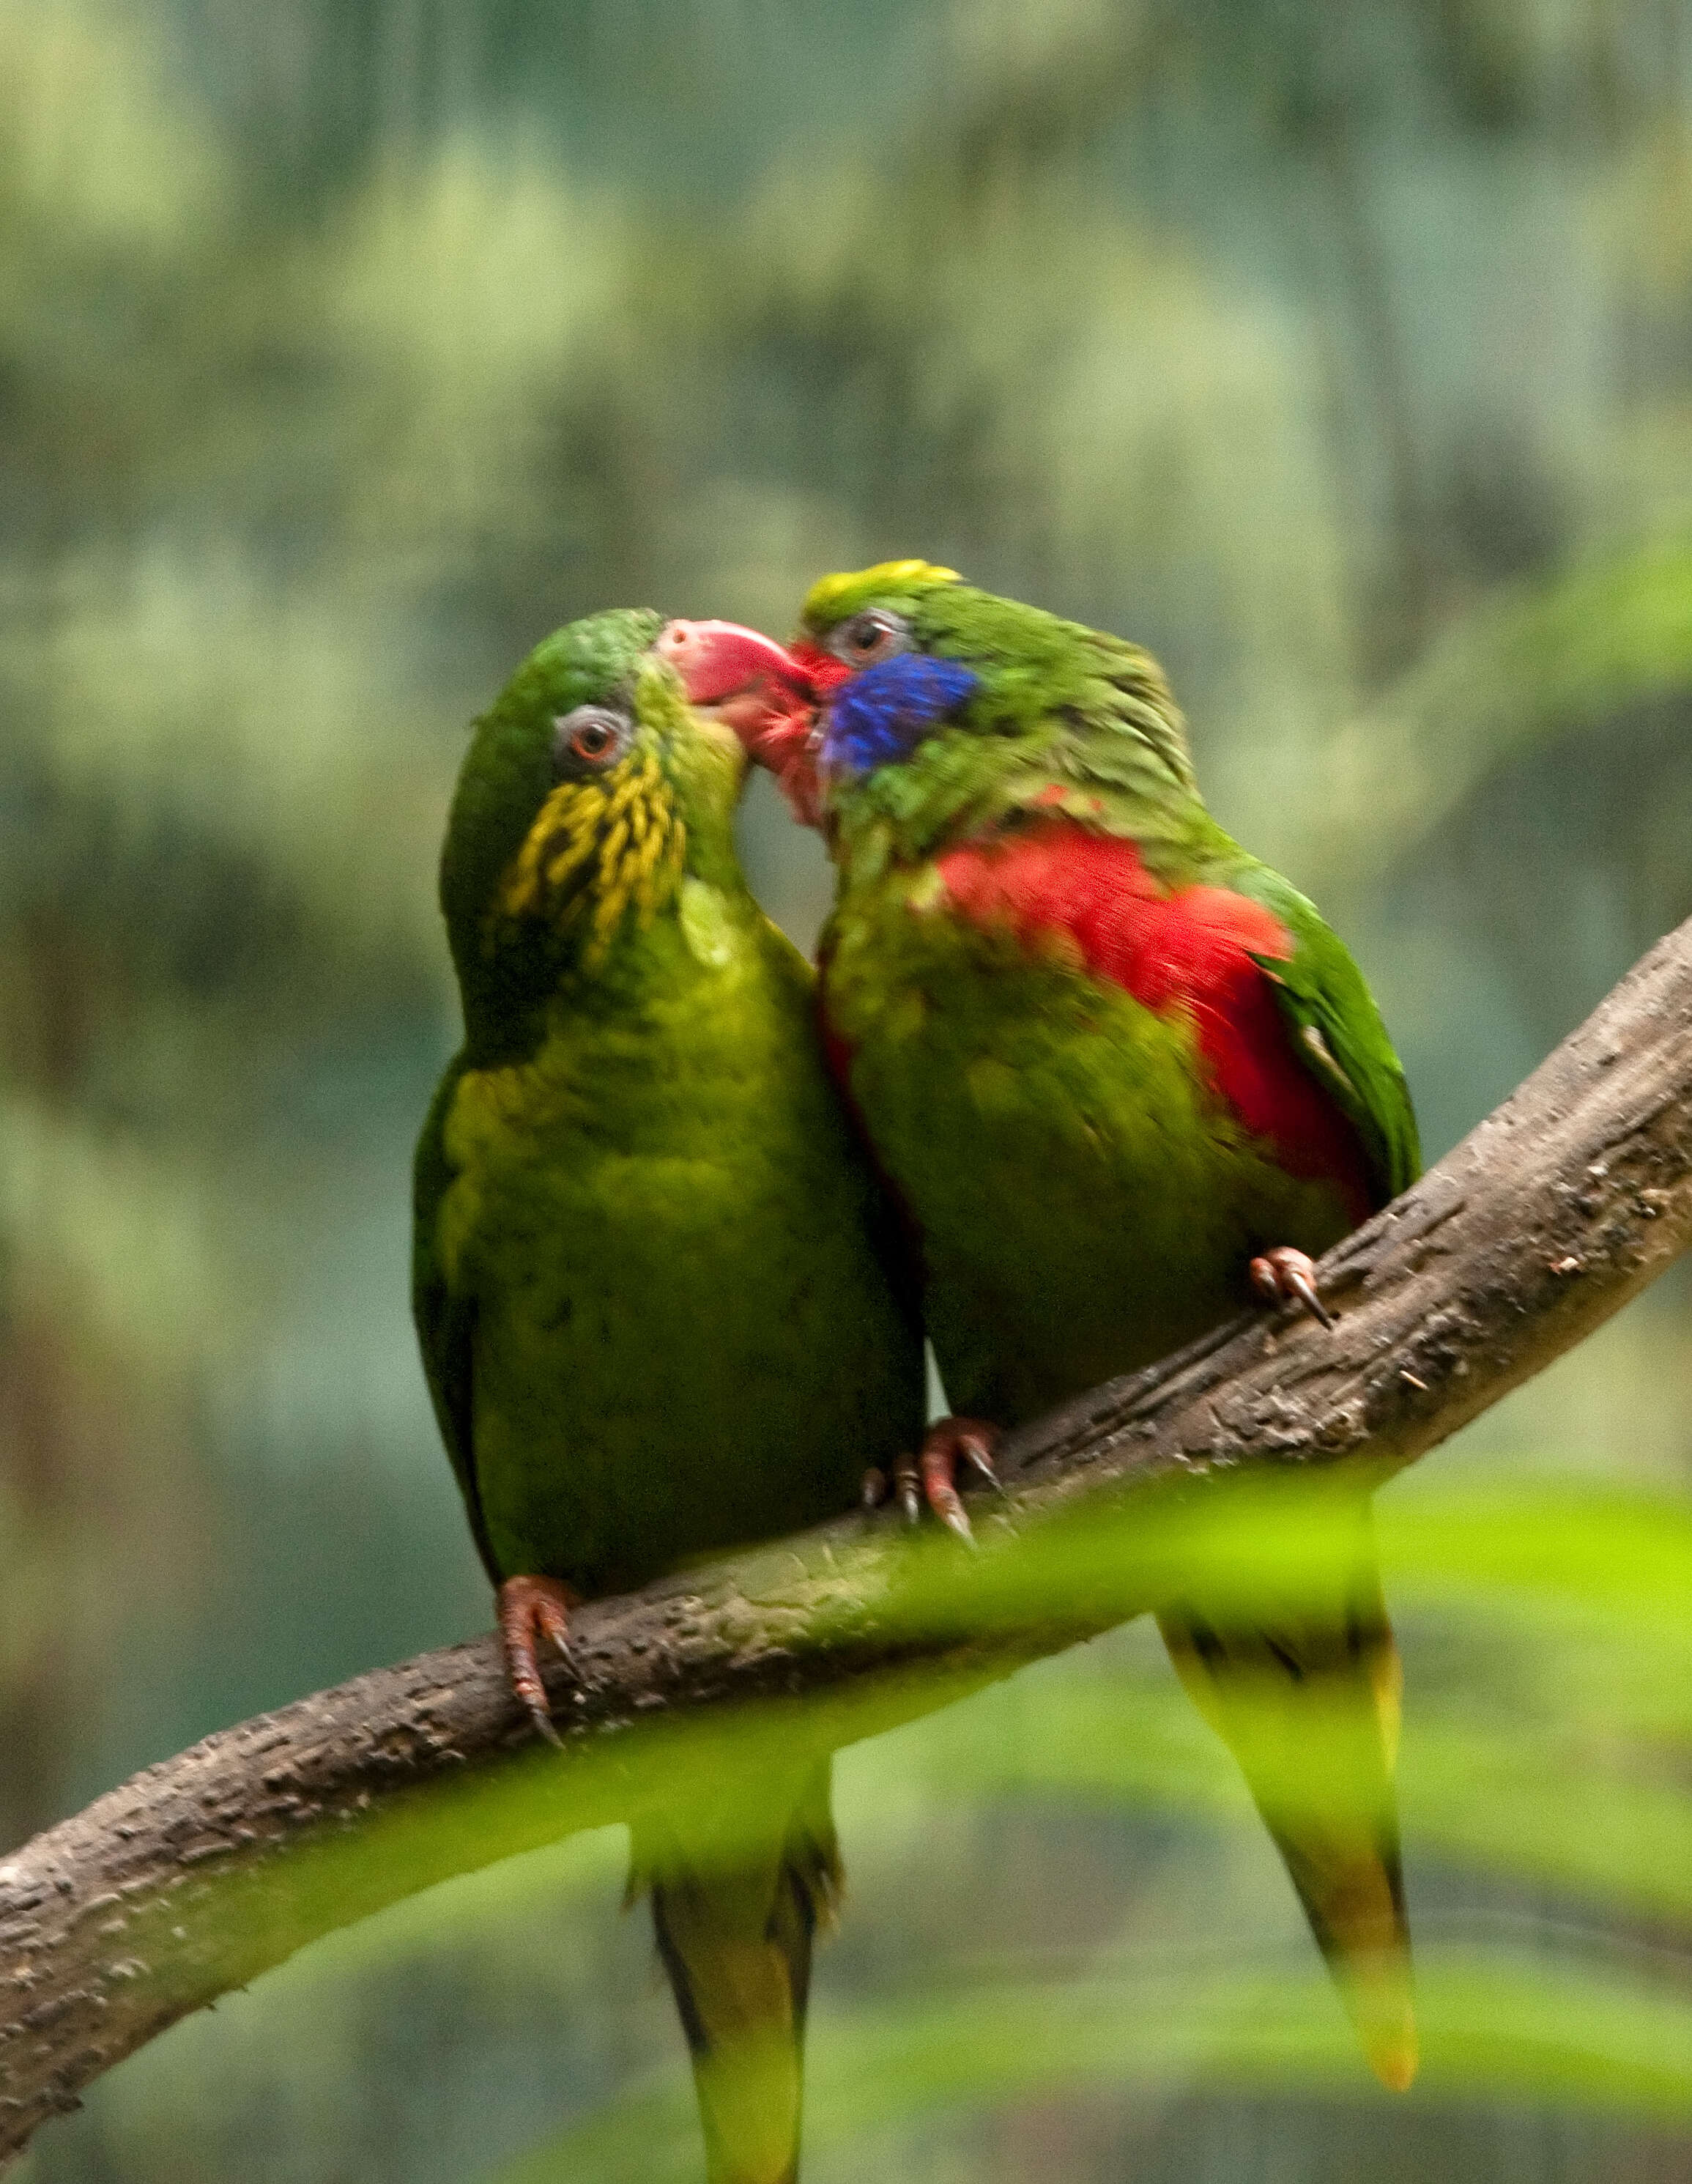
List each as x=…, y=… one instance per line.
x=757, y=688
x=721, y=663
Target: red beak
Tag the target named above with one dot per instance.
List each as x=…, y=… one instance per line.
x=758, y=687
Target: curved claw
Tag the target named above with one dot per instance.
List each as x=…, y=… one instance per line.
x=977, y=1447
x=932, y=1478
x=1284, y=1276
x=533, y=1610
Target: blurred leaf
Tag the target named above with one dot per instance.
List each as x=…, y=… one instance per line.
x=1548, y=659
x=106, y=1225
x=1501, y=2028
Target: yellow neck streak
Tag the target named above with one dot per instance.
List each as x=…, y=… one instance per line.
x=597, y=849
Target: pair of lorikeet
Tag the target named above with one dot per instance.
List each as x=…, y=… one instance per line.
x=1087, y=1075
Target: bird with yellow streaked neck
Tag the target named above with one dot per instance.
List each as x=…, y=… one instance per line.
x=654, y=1283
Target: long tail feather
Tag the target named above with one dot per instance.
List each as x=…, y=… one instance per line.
x=1305, y=1692
x=738, y=1890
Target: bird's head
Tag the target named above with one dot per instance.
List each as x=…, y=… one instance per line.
x=934, y=705
x=592, y=789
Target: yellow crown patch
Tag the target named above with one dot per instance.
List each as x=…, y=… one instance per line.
x=832, y=597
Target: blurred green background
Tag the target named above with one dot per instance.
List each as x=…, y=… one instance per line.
x=1342, y=355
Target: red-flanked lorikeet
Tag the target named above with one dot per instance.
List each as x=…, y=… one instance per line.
x=1120, y=1075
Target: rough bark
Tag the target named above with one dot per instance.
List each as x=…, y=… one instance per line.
x=204, y=1870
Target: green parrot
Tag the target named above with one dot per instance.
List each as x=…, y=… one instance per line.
x=650, y=1280
x=1120, y=1077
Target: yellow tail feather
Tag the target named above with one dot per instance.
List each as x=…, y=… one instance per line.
x=739, y=1886
x=1303, y=1686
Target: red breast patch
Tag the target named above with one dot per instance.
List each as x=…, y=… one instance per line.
x=1187, y=950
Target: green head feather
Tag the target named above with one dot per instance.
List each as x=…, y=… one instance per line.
x=589, y=790
x=1059, y=710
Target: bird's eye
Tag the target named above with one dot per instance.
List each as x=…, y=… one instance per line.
x=590, y=739
x=870, y=637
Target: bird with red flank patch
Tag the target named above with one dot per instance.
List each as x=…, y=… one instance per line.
x=1121, y=1078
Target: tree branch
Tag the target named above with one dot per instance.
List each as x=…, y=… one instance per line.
x=203, y=1871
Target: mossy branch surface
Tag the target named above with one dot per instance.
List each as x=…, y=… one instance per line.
x=201, y=1872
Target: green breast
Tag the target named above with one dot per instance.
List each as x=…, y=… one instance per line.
x=1085, y=1204
x=681, y=1336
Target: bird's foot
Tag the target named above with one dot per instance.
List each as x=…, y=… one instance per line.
x=534, y=1610
x=933, y=1476
x=1284, y=1276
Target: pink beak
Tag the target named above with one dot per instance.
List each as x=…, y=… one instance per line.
x=760, y=690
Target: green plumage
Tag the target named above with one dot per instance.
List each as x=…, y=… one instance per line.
x=649, y=1277
x=1085, y=1201
x=1321, y=991
x=1083, y=1207
x=1050, y=1067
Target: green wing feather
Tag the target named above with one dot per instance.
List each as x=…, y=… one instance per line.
x=1337, y=1029
x=446, y=1320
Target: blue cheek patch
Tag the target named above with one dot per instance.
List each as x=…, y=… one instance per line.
x=880, y=715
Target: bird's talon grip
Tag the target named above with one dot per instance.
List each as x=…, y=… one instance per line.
x=532, y=1608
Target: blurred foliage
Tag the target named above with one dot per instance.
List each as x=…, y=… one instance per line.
x=346, y=346
x=1138, y=1943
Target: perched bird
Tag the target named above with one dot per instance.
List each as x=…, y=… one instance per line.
x=648, y=1280
x=1119, y=1076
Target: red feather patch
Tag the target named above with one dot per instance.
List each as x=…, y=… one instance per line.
x=1188, y=952
x=826, y=673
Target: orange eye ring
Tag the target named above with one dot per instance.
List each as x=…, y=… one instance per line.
x=590, y=739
